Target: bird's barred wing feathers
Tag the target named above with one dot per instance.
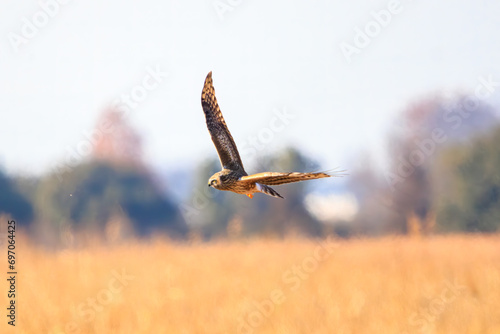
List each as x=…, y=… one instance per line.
x=221, y=137
x=272, y=178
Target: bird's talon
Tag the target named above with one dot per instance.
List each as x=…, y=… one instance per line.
x=250, y=195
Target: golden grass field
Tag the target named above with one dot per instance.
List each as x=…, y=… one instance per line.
x=443, y=284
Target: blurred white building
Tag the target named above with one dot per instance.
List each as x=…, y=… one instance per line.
x=332, y=208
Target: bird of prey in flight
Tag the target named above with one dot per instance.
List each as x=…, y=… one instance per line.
x=233, y=177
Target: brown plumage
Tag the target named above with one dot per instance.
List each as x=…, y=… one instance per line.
x=233, y=176
x=224, y=142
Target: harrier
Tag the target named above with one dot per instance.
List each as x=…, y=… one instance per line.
x=233, y=177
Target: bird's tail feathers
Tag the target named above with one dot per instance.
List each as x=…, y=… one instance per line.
x=268, y=190
x=334, y=172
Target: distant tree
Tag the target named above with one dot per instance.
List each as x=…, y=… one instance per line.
x=468, y=186
x=371, y=190
x=116, y=140
x=207, y=210
x=13, y=202
x=94, y=192
x=425, y=129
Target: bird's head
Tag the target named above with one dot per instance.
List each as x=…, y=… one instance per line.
x=214, y=181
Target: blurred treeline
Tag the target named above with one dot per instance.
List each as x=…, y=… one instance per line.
x=442, y=174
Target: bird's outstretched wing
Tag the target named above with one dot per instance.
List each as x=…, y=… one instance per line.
x=271, y=178
x=223, y=141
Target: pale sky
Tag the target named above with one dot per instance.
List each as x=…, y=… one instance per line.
x=265, y=57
